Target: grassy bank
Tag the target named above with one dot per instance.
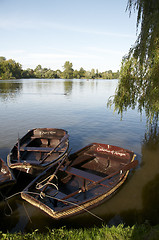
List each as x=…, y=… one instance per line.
x=139, y=232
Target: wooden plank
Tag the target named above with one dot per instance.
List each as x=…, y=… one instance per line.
x=83, y=174
x=36, y=149
x=46, y=137
x=125, y=167
x=63, y=196
x=81, y=159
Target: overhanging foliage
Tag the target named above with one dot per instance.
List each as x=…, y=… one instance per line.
x=139, y=73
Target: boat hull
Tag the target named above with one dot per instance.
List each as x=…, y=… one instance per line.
x=7, y=179
x=86, y=179
x=38, y=149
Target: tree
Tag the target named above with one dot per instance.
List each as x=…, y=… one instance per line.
x=93, y=75
x=15, y=68
x=38, y=71
x=115, y=75
x=139, y=74
x=79, y=74
x=50, y=74
x=68, y=70
x=82, y=72
x=87, y=75
x=10, y=69
x=58, y=73
x=2, y=59
x=28, y=73
x=76, y=74
x=148, y=17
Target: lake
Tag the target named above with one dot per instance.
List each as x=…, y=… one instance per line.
x=80, y=107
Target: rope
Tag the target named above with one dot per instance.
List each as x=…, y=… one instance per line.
x=45, y=195
x=12, y=195
x=66, y=201
x=27, y=213
x=11, y=211
x=39, y=185
x=6, y=201
x=6, y=205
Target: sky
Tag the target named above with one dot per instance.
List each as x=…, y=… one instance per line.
x=88, y=33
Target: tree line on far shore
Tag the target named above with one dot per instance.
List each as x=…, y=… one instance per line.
x=10, y=69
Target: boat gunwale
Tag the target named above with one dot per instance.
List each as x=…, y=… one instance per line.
x=26, y=164
x=88, y=204
x=10, y=177
x=75, y=208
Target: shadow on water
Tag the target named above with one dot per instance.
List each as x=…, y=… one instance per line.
x=141, y=194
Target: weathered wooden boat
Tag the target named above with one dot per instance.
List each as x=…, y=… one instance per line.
x=82, y=181
x=7, y=179
x=38, y=149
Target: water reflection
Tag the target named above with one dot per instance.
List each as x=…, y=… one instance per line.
x=68, y=87
x=79, y=106
x=137, y=202
x=151, y=139
x=9, y=90
x=150, y=196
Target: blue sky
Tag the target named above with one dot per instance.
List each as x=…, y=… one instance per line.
x=88, y=33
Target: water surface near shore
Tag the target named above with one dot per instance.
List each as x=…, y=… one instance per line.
x=80, y=107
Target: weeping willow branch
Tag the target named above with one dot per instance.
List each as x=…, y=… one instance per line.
x=138, y=86
x=148, y=22
x=139, y=73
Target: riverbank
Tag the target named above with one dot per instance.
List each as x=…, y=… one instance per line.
x=136, y=232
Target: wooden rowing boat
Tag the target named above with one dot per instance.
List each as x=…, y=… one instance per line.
x=82, y=181
x=38, y=149
x=7, y=179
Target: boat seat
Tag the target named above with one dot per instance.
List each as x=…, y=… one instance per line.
x=37, y=149
x=63, y=196
x=86, y=176
x=60, y=195
x=82, y=174
x=34, y=162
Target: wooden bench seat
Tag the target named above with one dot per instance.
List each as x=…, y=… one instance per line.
x=36, y=149
x=82, y=174
x=63, y=196
x=46, y=137
x=87, y=176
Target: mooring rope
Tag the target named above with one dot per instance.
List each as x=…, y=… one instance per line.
x=6, y=204
x=15, y=194
x=60, y=200
x=27, y=213
x=66, y=201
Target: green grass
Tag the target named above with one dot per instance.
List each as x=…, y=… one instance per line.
x=137, y=232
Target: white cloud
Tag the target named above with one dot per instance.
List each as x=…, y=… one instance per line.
x=108, y=51
x=75, y=55
x=27, y=24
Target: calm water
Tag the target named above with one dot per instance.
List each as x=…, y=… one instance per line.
x=80, y=106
